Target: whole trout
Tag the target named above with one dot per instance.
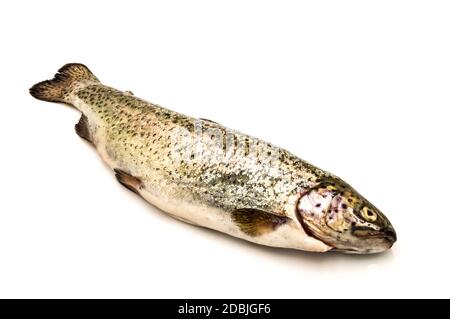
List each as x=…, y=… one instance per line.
x=202, y=173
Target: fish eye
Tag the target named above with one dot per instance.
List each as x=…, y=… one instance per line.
x=369, y=214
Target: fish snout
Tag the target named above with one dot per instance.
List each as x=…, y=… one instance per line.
x=390, y=235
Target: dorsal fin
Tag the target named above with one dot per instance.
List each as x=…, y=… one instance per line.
x=206, y=120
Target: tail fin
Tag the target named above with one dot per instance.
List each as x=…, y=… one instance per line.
x=70, y=76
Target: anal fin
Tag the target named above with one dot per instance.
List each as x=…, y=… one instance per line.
x=255, y=222
x=134, y=184
x=82, y=129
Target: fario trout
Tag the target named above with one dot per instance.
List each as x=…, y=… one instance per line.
x=202, y=173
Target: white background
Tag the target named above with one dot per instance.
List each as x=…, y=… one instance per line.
x=359, y=88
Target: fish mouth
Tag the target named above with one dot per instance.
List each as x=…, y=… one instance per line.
x=375, y=242
x=388, y=234
x=391, y=235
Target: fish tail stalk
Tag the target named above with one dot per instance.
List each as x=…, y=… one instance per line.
x=70, y=77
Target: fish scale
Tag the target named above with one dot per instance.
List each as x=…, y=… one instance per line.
x=141, y=142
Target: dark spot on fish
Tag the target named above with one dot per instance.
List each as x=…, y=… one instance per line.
x=344, y=206
x=318, y=205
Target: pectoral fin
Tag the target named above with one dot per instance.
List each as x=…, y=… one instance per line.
x=256, y=222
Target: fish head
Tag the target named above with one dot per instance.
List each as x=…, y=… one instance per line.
x=336, y=214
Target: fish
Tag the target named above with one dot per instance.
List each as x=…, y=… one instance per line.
x=205, y=174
